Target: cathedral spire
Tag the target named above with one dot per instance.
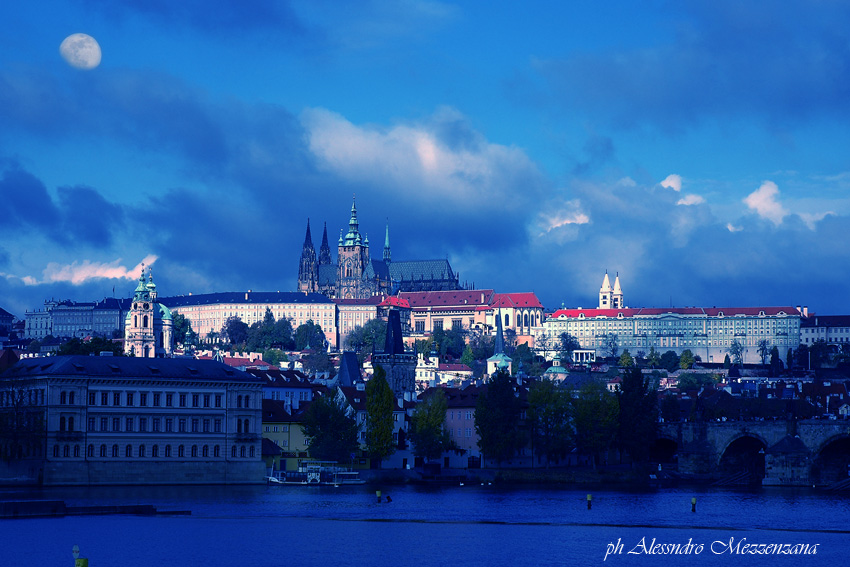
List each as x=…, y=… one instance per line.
x=325, y=249
x=308, y=271
x=387, y=256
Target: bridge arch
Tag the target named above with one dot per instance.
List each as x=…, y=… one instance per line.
x=664, y=449
x=744, y=456
x=831, y=462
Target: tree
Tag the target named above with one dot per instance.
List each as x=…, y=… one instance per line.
x=819, y=353
x=736, y=351
x=91, y=347
x=686, y=360
x=638, y=401
x=568, y=344
x=612, y=344
x=309, y=335
x=789, y=359
x=379, y=415
x=180, y=325
x=549, y=416
x=270, y=334
x=368, y=338
x=317, y=362
x=669, y=360
x=727, y=362
x=653, y=358
x=626, y=359
x=775, y=362
x=524, y=355
x=497, y=419
x=22, y=420
x=331, y=433
x=235, y=330
x=595, y=417
x=694, y=381
x=467, y=357
x=670, y=411
x=764, y=350
x=274, y=356
x=428, y=433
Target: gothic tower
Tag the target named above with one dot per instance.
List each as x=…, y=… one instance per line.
x=605, y=293
x=352, y=258
x=617, y=295
x=325, y=249
x=308, y=270
x=399, y=364
x=387, y=255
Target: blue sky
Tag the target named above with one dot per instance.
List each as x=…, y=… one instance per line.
x=699, y=149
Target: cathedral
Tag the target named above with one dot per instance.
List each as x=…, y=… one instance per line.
x=356, y=275
x=147, y=327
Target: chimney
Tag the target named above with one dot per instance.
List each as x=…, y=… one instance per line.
x=805, y=310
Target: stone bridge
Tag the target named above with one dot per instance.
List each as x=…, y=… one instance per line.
x=781, y=452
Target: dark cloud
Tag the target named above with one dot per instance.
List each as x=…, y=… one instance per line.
x=724, y=59
x=89, y=217
x=26, y=203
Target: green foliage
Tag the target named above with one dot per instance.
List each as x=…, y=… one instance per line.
x=34, y=346
x=727, y=362
x=695, y=381
x=638, y=403
x=235, y=330
x=736, y=351
x=368, y=338
x=775, y=362
x=626, y=359
x=653, y=359
x=94, y=346
x=309, y=335
x=687, y=359
x=669, y=360
x=497, y=419
x=819, y=353
x=612, y=345
x=483, y=346
x=180, y=325
x=331, y=433
x=317, y=362
x=568, y=344
x=789, y=362
x=530, y=365
x=550, y=417
x=428, y=433
x=379, y=415
x=274, y=356
x=468, y=357
x=422, y=346
x=764, y=350
x=449, y=343
x=22, y=421
x=595, y=417
x=270, y=334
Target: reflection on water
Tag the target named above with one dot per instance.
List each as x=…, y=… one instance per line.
x=472, y=525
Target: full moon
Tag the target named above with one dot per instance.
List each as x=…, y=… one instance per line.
x=80, y=51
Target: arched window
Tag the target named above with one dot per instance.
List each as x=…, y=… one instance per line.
x=194, y=450
x=238, y=426
x=507, y=320
x=90, y=451
x=103, y=450
x=76, y=450
x=56, y=451
x=135, y=320
x=238, y=401
x=251, y=451
x=217, y=451
x=71, y=397
x=167, y=451
x=245, y=427
x=155, y=451
x=206, y=451
x=62, y=423
x=181, y=451
x=233, y=451
x=145, y=321
x=141, y=450
x=66, y=451
x=526, y=319
x=128, y=451
x=242, y=451
x=63, y=398
x=115, y=450
x=71, y=423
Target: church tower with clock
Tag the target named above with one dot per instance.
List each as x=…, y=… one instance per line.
x=352, y=260
x=148, y=325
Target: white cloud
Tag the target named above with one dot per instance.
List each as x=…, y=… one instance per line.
x=673, y=182
x=764, y=202
x=80, y=272
x=570, y=214
x=691, y=200
x=811, y=219
x=439, y=160
x=732, y=228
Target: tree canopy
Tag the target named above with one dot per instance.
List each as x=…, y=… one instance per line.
x=310, y=335
x=428, y=432
x=550, y=420
x=638, y=403
x=497, y=419
x=595, y=415
x=331, y=433
x=235, y=330
x=91, y=347
x=368, y=338
x=379, y=415
x=270, y=334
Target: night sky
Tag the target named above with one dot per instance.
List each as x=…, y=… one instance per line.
x=700, y=149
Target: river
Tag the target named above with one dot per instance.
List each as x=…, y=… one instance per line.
x=456, y=526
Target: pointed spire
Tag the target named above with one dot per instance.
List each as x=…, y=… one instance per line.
x=387, y=256
x=606, y=284
x=617, y=290
x=325, y=249
x=500, y=337
x=308, y=238
x=353, y=237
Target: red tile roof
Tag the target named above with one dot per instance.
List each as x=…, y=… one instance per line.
x=454, y=298
x=447, y=367
x=652, y=311
x=393, y=301
x=524, y=299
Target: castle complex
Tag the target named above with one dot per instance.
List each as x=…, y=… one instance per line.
x=356, y=275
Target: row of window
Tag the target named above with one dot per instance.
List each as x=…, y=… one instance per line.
x=128, y=399
x=113, y=424
x=141, y=452
x=15, y=397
